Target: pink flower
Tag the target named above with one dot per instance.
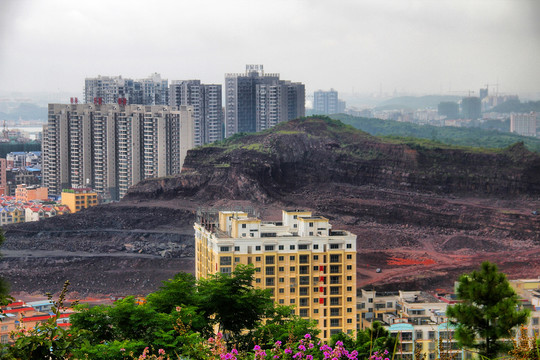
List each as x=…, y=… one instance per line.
x=161, y=352
x=257, y=348
x=309, y=357
x=122, y=349
x=307, y=336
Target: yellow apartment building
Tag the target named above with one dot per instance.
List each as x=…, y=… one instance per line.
x=300, y=259
x=79, y=198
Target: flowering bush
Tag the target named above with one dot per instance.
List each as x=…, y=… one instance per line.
x=305, y=349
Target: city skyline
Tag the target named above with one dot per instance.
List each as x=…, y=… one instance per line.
x=353, y=46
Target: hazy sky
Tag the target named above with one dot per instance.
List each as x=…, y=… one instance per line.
x=428, y=46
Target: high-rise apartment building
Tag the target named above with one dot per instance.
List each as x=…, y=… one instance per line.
x=111, y=147
x=108, y=89
x=207, y=109
x=300, y=259
x=523, y=124
x=256, y=101
x=326, y=102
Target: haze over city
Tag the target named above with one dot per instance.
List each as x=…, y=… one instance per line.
x=413, y=47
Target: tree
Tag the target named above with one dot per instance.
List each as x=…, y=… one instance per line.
x=233, y=302
x=4, y=286
x=488, y=311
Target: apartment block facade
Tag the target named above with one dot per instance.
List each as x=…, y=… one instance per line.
x=524, y=124
x=108, y=89
x=327, y=102
x=256, y=101
x=110, y=147
x=300, y=259
x=207, y=110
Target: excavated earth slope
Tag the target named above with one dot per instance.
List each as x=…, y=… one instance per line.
x=423, y=215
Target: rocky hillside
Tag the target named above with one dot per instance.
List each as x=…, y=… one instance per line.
x=267, y=166
x=423, y=214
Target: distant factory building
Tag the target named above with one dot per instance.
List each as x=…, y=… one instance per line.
x=256, y=101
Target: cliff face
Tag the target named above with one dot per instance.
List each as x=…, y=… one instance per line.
x=266, y=166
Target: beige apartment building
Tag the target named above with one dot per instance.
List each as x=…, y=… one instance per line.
x=300, y=259
x=110, y=147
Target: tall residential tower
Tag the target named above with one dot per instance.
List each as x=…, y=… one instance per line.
x=111, y=147
x=256, y=101
x=300, y=259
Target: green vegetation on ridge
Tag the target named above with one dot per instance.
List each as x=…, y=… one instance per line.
x=470, y=137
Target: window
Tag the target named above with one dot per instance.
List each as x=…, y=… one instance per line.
x=315, y=300
x=349, y=278
x=295, y=217
x=281, y=258
x=281, y=268
x=335, y=269
x=269, y=270
x=292, y=290
x=281, y=247
x=419, y=334
x=334, y=322
x=349, y=246
x=281, y=280
x=223, y=248
x=334, y=258
x=257, y=258
x=389, y=304
x=310, y=224
x=243, y=226
x=316, y=289
x=281, y=301
x=258, y=248
x=334, y=311
x=303, y=269
x=292, y=268
x=535, y=321
x=291, y=247
x=257, y=280
x=349, y=267
x=349, y=257
x=292, y=258
x=335, y=290
x=270, y=259
x=311, y=233
x=316, y=311
x=302, y=247
x=237, y=248
x=315, y=268
x=303, y=259
x=292, y=301
x=269, y=247
x=281, y=291
x=334, y=246
x=303, y=312
x=335, y=279
x=349, y=299
x=270, y=281
x=225, y=260
x=304, y=301
x=349, y=310
x=257, y=269
x=236, y=259
x=304, y=280
x=315, y=247
x=315, y=257
x=349, y=321
x=303, y=291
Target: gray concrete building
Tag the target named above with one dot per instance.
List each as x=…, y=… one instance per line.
x=327, y=102
x=207, y=108
x=256, y=101
x=108, y=89
x=111, y=147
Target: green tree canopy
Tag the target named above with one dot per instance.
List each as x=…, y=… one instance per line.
x=4, y=285
x=488, y=311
